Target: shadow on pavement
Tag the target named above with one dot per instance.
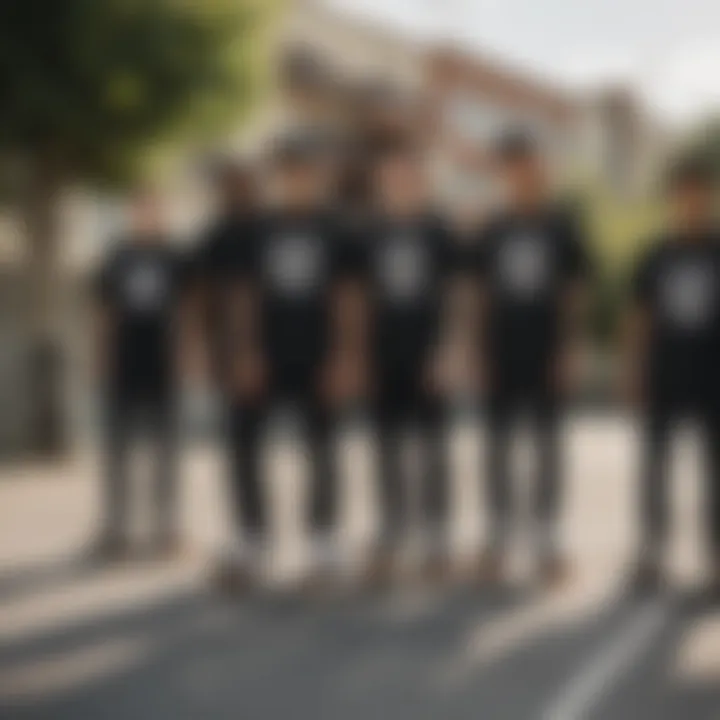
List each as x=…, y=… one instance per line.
x=27, y=581
x=657, y=689
x=200, y=656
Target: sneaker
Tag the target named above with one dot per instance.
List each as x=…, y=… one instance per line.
x=554, y=571
x=324, y=576
x=239, y=567
x=169, y=548
x=436, y=568
x=490, y=567
x=380, y=568
x=647, y=576
x=232, y=577
x=110, y=549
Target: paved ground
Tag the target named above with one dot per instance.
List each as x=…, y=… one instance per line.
x=150, y=641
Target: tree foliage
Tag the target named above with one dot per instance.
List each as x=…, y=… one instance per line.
x=619, y=230
x=91, y=87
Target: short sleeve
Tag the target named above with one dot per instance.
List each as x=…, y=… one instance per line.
x=477, y=252
x=226, y=252
x=451, y=251
x=198, y=259
x=351, y=253
x=238, y=259
x=205, y=259
x=185, y=269
x=470, y=259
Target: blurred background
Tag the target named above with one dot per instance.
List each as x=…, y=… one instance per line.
x=100, y=94
x=104, y=93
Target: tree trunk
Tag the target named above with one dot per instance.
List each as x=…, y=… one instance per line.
x=45, y=373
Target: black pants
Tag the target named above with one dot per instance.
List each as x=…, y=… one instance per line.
x=658, y=427
x=145, y=416
x=504, y=408
x=404, y=405
x=247, y=423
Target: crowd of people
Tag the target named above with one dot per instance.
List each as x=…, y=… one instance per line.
x=319, y=289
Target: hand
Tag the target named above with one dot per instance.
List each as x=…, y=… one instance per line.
x=194, y=364
x=482, y=378
x=567, y=371
x=250, y=376
x=630, y=387
x=435, y=375
x=343, y=380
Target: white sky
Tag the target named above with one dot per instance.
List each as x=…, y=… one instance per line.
x=669, y=50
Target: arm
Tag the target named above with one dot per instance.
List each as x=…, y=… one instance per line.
x=346, y=374
x=574, y=309
x=247, y=367
x=449, y=364
x=348, y=370
x=104, y=345
x=574, y=312
x=194, y=308
x=634, y=349
x=635, y=337
x=103, y=350
x=474, y=279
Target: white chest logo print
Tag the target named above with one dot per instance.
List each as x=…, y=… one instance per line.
x=524, y=266
x=146, y=288
x=294, y=264
x=403, y=269
x=688, y=296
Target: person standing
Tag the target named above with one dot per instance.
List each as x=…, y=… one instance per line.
x=292, y=272
x=672, y=357
x=409, y=256
x=141, y=289
x=533, y=268
x=223, y=352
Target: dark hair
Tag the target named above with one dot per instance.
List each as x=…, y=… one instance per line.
x=695, y=170
x=301, y=148
x=514, y=145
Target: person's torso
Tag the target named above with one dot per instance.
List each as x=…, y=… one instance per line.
x=525, y=277
x=684, y=304
x=294, y=267
x=407, y=268
x=223, y=267
x=144, y=294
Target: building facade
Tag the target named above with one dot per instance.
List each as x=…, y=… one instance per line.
x=337, y=72
x=340, y=72
x=622, y=148
x=475, y=100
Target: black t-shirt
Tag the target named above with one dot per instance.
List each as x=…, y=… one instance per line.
x=218, y=265
x=141, y=285
x=218, y=249
x=678, y=283
x=295, y=259
x=526, y=265
x=406, y=263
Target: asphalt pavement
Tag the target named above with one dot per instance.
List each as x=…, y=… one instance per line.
x=153, y=640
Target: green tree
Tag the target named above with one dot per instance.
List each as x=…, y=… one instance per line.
x=91, y=90
x=619, y=230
